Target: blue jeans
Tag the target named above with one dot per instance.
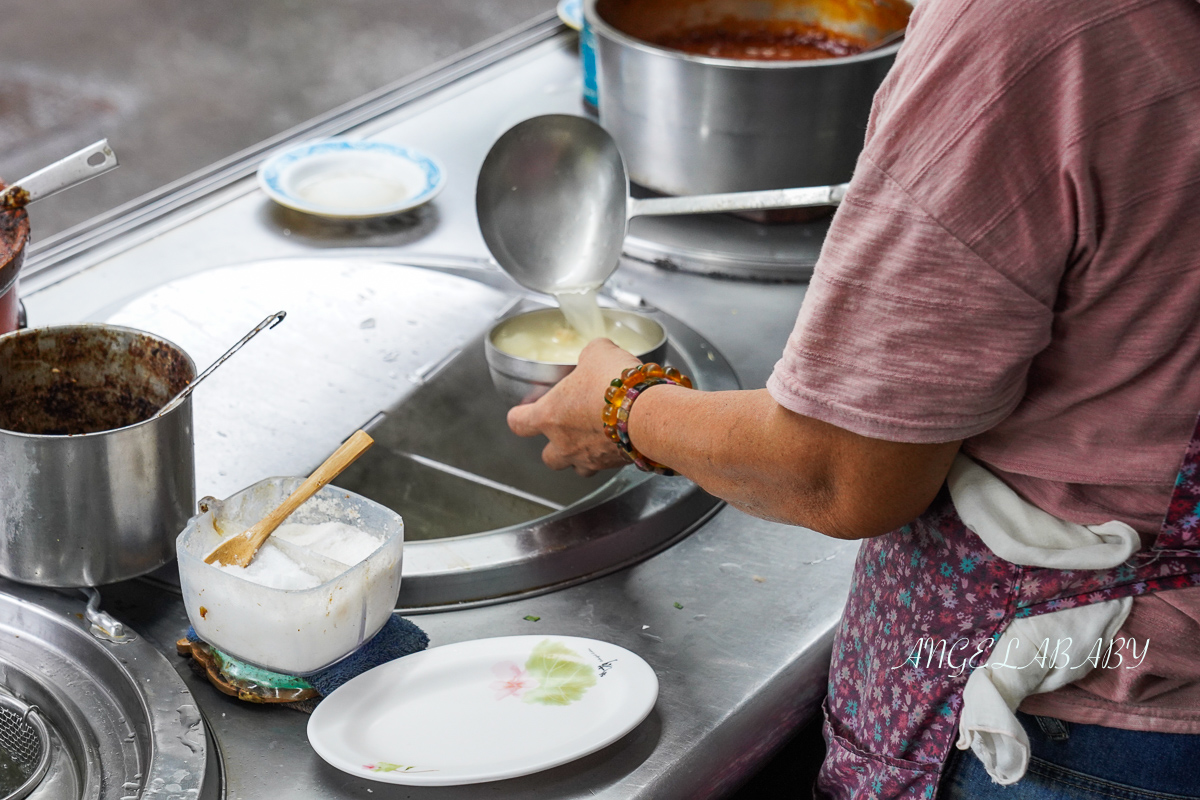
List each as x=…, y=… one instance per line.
x=1085, y=762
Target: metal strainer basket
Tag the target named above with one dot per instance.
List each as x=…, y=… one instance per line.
x=24, y=748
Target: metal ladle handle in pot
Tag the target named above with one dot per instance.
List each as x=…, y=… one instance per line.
x=82, y=165
x=736, y=201
x=560, y=227
x=269, y=322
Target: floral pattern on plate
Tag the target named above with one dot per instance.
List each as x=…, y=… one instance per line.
x=384, y=766
x=554, y=675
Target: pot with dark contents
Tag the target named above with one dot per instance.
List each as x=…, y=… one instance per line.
x=94, y=487
x=706, y=96
x=14, y=237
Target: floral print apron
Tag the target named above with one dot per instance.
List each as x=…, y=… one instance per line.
x=890, y=720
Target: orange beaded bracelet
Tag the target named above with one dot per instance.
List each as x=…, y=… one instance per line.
x=618, y=400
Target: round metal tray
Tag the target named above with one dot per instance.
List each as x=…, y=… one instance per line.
x=398, y=349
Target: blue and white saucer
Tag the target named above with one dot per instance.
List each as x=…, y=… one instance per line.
x=347, y=179
x=571, y=13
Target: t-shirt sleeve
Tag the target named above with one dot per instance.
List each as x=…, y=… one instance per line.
x=906, y=334
x=942, y=272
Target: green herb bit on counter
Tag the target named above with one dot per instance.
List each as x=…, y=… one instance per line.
x=678, y=604
x=531, y=618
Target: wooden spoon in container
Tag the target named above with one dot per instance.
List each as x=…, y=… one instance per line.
x=240, y=550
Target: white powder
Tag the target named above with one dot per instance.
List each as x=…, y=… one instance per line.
x=336, y=540
x=273, y=569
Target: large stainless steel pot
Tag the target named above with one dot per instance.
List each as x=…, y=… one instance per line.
x=692, y=124
x=93, y=487
x=14, y=236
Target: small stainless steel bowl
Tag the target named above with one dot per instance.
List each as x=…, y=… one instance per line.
x=523, y=380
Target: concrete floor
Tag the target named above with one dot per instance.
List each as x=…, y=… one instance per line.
x=178, y=84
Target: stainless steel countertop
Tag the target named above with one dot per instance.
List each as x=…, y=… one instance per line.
x=740, y=665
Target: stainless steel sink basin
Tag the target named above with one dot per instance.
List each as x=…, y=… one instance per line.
x=399, y=350
x=447, y=458
x=486, y=519
x=121, y=723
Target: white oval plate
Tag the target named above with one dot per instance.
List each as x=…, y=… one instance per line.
x=483, y=710
x=571, y=13
x=351, y=179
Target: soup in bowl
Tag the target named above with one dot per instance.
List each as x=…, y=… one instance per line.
x=530, y=352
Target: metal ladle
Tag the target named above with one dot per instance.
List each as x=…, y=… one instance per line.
x=185, y=392
x=554, y=206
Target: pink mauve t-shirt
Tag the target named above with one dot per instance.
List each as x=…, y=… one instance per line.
x=1017, y=264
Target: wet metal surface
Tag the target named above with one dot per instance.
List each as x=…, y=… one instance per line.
x=357, y=336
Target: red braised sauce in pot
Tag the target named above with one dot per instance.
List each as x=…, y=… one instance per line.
x=762, y=42
x=763, y=30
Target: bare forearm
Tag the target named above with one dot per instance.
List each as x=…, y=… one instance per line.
x=746, y=449
x=743, y=447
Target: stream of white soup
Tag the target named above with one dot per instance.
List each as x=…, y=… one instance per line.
x=555, y=340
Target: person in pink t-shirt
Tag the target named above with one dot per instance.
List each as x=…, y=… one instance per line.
x=1014, y=273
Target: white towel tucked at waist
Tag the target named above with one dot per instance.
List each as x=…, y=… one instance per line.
x=1024, y=534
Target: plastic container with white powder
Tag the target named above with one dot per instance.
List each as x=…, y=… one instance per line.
x=324, y=583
